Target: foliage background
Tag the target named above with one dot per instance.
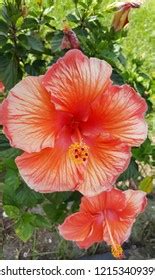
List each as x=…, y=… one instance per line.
x=30, y=37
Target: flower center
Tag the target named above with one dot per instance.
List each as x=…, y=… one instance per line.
x=79, y=152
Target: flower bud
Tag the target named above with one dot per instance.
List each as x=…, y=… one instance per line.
x=24, y=11
x=2, y=87
x=70, y=40
x=122, y=9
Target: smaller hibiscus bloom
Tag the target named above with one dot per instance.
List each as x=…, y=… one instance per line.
x=106, y=217
x=2, y=87
x=121, y=17
x=70, y=40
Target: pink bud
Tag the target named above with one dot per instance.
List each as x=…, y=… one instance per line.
x=121, y=17
x=70, y=40
x=2, y=87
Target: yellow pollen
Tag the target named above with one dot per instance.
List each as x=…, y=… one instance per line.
x=79, y=152
x=117, y=251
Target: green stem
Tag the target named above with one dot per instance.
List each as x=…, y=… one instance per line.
x=34, y=245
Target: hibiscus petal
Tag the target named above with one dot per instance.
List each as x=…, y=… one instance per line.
x=136, y=202
x=120, y=19
x=76, y=227
x=50, y=169
x=30, y=120
x=117, y=230
x=95, y=235
x=93, y=204
x=108, y=158
x=75, y=81
x=121, y=113
x=119, y=223
x=113, y=199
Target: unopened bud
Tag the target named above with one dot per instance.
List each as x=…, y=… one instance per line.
x=121, y=17
x=2, y=87
x=70, y=40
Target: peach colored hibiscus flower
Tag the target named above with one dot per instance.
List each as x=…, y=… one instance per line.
x=107, y=217
x=75, y=127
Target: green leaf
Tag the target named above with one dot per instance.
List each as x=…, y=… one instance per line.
x=3, y=40
x=4, y=143
x=27, y=197
x=58, y=198
x=24, y=230
x=29, y=69
x=143, y=152
x=8, y=70
x=19, y=22
x=75, y=1
x=12, y=211
x=7, y=156
x=28, y=217
x=40, y=222
x=27, y=223
x=10, y=12
x=10, y=153
x=72, y=18
x=35, y=43
x=54, y=212
x=56, y=41
x=29, y=23
x=23, y=39
x=37, y=67
x=3, y=26
x=9, y=197
x=10, y=163
x=12, y=180
x=20, y=195
x=117, y=78
x=146, y=184
x=131, y=172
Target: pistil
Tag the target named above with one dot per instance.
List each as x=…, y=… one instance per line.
x=116, y=249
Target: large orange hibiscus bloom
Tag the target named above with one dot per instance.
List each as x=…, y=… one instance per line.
x=107, y=217
x=75, y=127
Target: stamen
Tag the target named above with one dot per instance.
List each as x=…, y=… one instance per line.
x=78, y=152
x=117, y=251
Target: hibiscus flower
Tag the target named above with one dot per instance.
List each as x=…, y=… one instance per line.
x=107, y=217
x=75, y=127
